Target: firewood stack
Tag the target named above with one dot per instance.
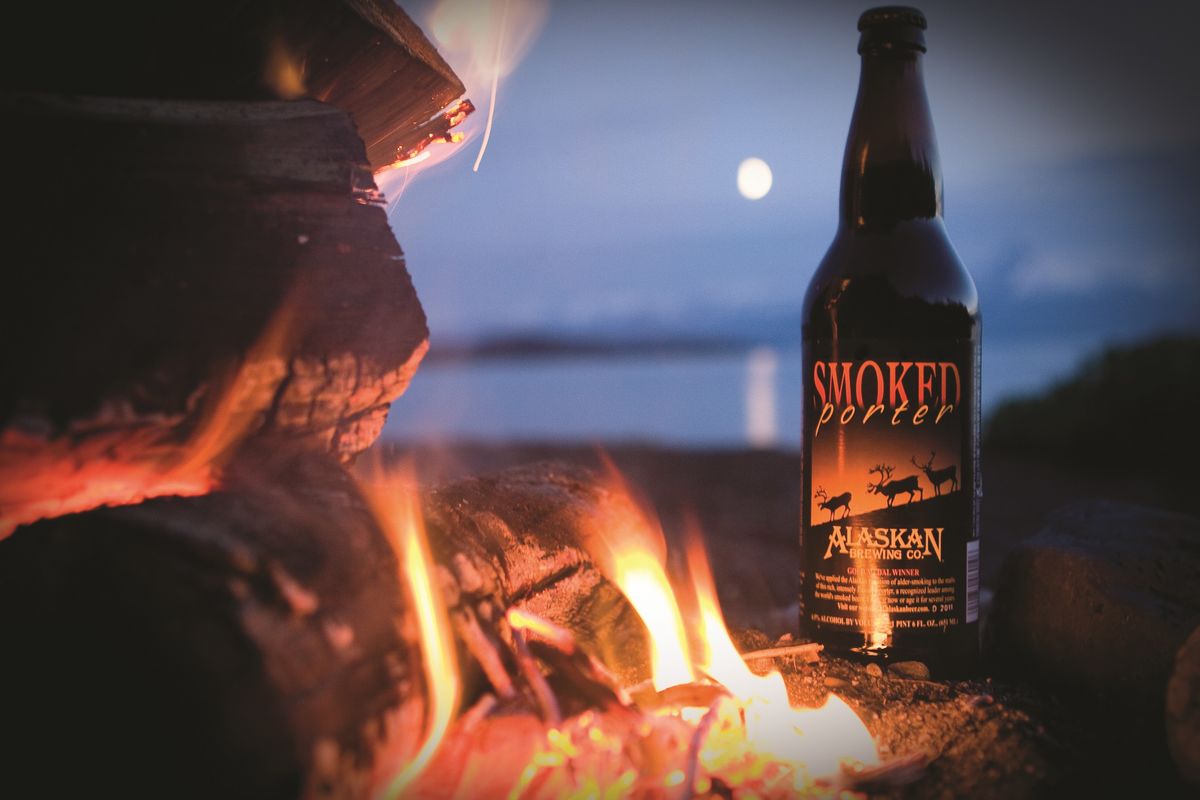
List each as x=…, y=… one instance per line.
x=199, y=242
x=205, y=305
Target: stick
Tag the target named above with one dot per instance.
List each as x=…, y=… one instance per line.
x=693, y=754
x=481, y=647
x=478, y=712
x=893, y=774
x=544, y=695
x=557, y=647
x=809, y=651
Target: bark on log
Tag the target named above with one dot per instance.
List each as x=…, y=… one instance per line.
x=155, y=243
x=524, y=531
x=255, y=642
x=364, y=56
x=1096, y=606
x=241, y=644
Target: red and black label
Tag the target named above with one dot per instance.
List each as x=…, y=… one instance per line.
x=890, y=533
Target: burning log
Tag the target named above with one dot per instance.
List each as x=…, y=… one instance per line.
x=256, y=640
x=160, y=244
x=365, y=57
x=519, y=535
x=245, y=642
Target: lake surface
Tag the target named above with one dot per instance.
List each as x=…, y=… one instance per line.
x=728, y=399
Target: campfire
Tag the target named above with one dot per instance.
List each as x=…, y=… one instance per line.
x=554, y=720
x=214, y=582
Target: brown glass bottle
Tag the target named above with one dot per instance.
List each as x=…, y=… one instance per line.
x=891, y=483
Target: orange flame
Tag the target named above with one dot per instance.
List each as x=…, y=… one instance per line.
x=758, y=729
x=224, y=421
x=814, y=742
x=750, y=739
x=283, y=70
x=392, y=497
x=103, y=467
x=630, y=549
x=484, y=43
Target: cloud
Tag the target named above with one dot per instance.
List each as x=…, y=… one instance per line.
x=1086, y=269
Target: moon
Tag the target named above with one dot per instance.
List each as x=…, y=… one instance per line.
x=754, y=178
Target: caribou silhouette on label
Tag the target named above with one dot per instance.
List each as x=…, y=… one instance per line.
x=890, y=488
x=938, y=476
x=832, y=504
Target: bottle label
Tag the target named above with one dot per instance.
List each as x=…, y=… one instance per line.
x=889, y=535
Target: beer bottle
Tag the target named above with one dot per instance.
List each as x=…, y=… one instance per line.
x=891, y=486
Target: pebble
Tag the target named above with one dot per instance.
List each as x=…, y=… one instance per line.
x=874, y=670
x=980, y=700
x=913, y=670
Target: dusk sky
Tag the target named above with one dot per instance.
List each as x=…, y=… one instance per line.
x=607, y=202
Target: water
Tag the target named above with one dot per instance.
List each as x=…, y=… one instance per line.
x=728, y=399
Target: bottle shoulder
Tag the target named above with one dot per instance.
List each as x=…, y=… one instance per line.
x=902, y=278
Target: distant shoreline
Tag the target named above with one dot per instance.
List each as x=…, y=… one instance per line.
x=537, y=347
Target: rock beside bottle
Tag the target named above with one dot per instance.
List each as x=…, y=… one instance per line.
x=1095, y=607
x=1183, y=709
x=912, y=670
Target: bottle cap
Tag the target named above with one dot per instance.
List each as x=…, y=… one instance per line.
x=892, y=27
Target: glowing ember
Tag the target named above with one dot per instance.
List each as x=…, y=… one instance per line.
x=283, y=71
x=485, y=42
x=755, y=737
x=438, y=130
x=728, y=731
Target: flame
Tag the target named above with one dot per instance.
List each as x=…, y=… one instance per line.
x=223, y=421
x=744, y=738
x=393, y=499
x=283, y=70
x=722, y=662
x=115, y=466
x=438, y=129
x=484, y=43
x=815, y=741
x=758, y=730
x=630, y=549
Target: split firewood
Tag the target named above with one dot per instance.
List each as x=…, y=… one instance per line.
x=252, y=643
x=518, y=535
x=805, y=651
x=159, y=245
x=257, y=639
x=366, y=57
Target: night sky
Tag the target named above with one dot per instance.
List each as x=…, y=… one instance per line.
x=607, y=198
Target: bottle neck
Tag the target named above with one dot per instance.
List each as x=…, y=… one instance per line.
x=891, y=171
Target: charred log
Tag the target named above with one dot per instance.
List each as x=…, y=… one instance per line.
x=522, y=532
x=245, y=643
x=364, y=56
x=256, y=642
x=156, y=245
